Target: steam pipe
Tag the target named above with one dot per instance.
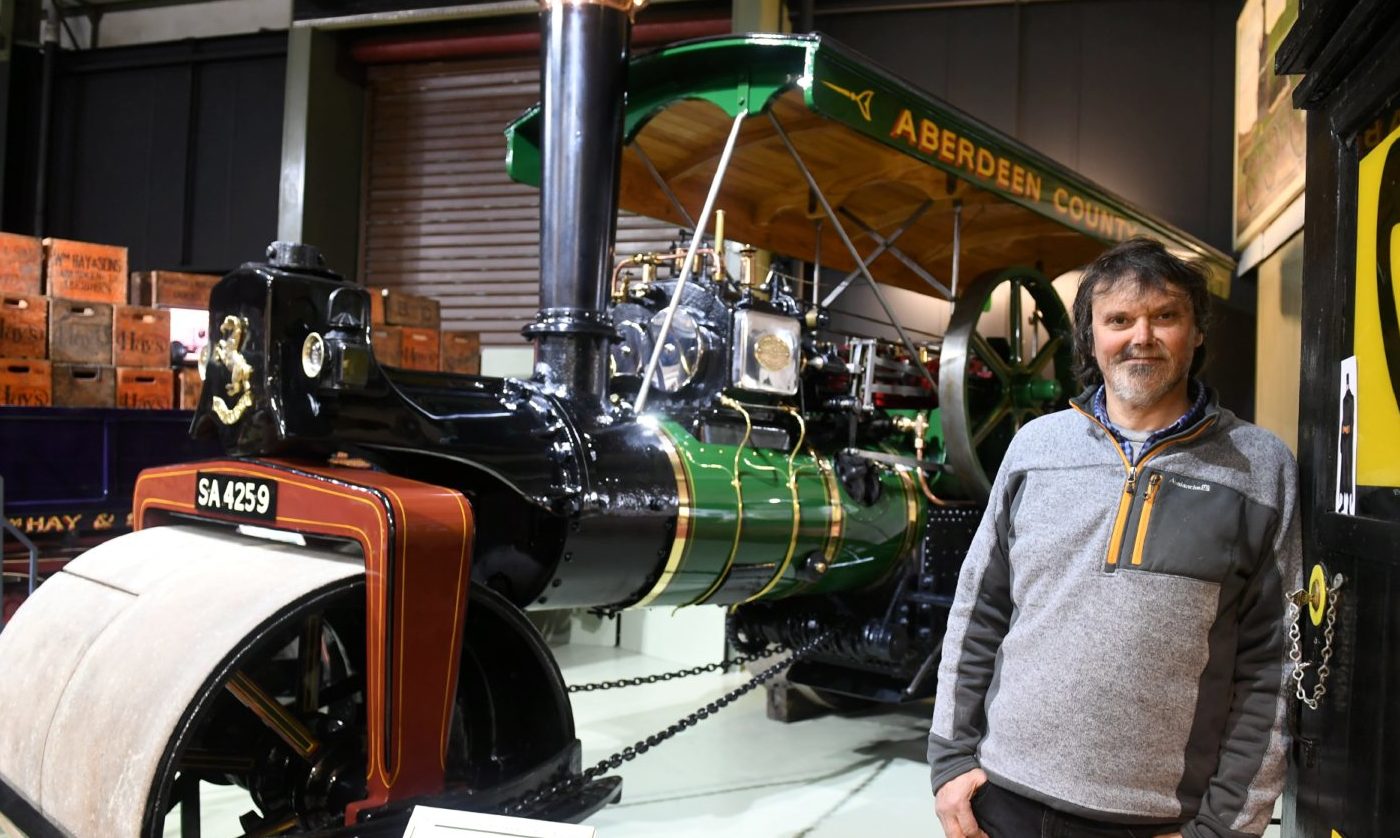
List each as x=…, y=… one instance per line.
x=584, y=74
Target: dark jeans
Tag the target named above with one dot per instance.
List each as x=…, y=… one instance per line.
x=1005, y=814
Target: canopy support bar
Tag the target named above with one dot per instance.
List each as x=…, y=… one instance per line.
x=851, y=248
x=957, y=244
x=665, y=187
x=690, y=261
x=888, y=244
x=882, y=243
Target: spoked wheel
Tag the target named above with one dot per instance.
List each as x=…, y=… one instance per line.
x=276, y=740
x=988, y=387
x=283, y=732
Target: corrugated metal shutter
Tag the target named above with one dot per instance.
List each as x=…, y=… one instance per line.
x=440, y=216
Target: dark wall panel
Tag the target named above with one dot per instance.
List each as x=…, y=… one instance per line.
x=172, y=150
x=238, y=161
x=1136, y=94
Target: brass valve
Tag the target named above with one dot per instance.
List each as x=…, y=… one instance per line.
x=918, y=426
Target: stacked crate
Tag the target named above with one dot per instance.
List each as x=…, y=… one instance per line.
x=25, y=373
x=70, y=335
x=165, y=290
x=404, y=331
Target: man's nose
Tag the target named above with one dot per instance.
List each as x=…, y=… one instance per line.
x=1142, y=331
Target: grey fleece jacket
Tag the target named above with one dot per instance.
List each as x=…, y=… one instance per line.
x=1117, y=645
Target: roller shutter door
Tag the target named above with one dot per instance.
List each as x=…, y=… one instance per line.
x=440, y=216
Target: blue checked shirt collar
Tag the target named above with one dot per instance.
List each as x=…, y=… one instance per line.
x=1193, y=413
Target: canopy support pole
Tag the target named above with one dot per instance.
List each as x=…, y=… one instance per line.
x=665, y=187
x=689, y=262
x=957, y=244
x=851, y=248
x=888, y=244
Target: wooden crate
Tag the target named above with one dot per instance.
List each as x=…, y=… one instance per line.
x=26, y=382
x=21, y=265
x=140, y=336
x=145, y=388
x=387, y=343
x=405, y=347
x=80, y=332
x=420, y=349
x=188, y=386
x=172, y=289
x=461, y=352
x=397, y=308
x=83, y=271
x=84, y=385
x=24, y=326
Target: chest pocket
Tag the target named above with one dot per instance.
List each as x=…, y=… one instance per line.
x=1193, y=528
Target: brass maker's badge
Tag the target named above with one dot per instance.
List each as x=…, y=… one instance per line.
x=240, y=372
x=772, y=352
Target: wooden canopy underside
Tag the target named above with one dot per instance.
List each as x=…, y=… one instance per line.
x=767, y=202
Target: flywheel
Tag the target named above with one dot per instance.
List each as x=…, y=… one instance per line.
x=992, y=380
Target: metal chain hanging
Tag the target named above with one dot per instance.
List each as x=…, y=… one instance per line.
x=1295, y=637
x=532, y=800
x=671, y=676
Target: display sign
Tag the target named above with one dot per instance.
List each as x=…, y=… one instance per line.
x=1377, y=331
x=1270, y=135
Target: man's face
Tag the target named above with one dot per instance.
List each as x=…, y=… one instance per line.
x=1143, y=341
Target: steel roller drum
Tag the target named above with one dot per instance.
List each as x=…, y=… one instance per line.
x=131, y=633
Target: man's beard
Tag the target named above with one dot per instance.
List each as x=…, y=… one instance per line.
x=1143, y=385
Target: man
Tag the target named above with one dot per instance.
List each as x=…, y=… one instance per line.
x=1115, y=663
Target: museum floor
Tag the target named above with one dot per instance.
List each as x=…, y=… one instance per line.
x=738, y=775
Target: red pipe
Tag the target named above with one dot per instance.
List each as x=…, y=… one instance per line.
x=403, y=51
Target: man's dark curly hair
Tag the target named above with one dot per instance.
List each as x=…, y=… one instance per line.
x=1147, y=263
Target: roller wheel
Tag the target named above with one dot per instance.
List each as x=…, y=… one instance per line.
x=988, y=387
x=296, y=750
x=284, y=721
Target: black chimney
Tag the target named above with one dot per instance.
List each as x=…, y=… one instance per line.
x=583, y=82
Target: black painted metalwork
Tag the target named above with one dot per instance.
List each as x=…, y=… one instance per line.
x=1345, y=764
x=585, y=64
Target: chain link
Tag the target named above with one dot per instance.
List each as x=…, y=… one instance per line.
x=532, y=800
x=1295, y=637
x=671, y=676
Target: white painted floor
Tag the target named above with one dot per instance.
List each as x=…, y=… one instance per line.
x=739, y=775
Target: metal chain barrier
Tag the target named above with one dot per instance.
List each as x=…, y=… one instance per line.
x=1296, y=600
x=671, y=676
x=532, y=800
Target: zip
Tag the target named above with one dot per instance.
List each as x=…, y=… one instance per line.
x=1153, y=484
x=1125, y=503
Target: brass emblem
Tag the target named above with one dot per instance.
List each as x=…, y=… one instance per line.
x=772, y=353
x=240, y=372
x=862, y=99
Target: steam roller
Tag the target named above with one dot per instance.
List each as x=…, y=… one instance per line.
x=329, y=622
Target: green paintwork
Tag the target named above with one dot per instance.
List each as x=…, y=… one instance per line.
x=872, y=537
x=737, y=72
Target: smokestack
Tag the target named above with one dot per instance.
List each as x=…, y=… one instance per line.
x=583, y=82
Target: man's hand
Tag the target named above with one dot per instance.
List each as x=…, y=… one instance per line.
x=953, y=803
x=1170, y=835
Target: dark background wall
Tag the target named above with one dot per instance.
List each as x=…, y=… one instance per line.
x=1135, y=94
x=173, y=150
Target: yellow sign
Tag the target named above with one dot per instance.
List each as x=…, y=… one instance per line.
x=1377, y=322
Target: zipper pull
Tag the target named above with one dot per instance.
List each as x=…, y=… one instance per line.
x=1131, y=486
x=1153, y=483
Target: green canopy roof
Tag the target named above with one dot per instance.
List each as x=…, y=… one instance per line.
x=881, y=150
